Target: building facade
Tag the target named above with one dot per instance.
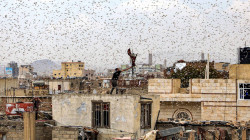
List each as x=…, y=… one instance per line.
x=112, y=115
x=57, y=86
x=70, y=70
x=204, y=99
x=26, y=72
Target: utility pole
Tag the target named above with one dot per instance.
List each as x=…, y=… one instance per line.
x=5, y=86
x=207, y=68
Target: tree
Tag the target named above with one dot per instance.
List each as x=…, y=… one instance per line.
x=195, y=71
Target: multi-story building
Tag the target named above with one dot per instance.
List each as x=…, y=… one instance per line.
x=26, y=75
x=70, y=70
x=15, y=70
x=205, y=99
x=26, y=72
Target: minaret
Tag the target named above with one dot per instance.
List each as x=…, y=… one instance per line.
x=150, y=58
x=165, y=64
x=202, y=56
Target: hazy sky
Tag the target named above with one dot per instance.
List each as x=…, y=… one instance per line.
x=99, y=32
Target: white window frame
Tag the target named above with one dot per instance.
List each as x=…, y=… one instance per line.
x=239, y=91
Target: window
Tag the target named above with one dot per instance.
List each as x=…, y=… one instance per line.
x=59, y=87
x=182, y=113
x=101, y=114
x=80, y=65
x=145, y=115
x=244, y=91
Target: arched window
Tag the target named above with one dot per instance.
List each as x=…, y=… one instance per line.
x=183, y=114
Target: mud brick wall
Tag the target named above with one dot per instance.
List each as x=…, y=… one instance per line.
x=163, y=86
x=63, y=133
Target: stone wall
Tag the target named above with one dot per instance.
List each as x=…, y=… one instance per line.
x=13, y=130
x=169, y=109
x=63, y=133
x=199, y=86
x=15, y=135
x=239, y=71
x=163, y=86
x=218, y=98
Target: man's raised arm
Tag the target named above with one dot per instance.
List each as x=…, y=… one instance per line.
x=126, y=69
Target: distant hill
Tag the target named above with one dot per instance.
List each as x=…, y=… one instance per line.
x=45, y=67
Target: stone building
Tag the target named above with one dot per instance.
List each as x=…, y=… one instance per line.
x=70, y=70
x=204, y=99
x=112, y=115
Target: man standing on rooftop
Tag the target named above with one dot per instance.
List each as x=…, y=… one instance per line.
x=116, y=77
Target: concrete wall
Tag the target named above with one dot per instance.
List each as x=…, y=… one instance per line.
x=169, y=109
x=6, y=84
x=125, y=111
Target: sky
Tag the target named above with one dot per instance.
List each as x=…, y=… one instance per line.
x=99, y=32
